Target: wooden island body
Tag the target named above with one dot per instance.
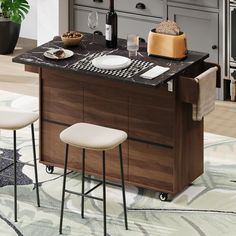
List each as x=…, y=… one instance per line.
x=164, y=150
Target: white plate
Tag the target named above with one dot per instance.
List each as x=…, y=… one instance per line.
x=111, y=62
x=49, y=54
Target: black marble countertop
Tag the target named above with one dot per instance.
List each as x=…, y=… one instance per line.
x=35, y=57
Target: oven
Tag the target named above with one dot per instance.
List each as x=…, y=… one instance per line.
x=232, y=41
x=232, y=48
x=232, y=75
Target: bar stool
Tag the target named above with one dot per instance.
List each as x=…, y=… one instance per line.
x=93, y=137
x=14, y=120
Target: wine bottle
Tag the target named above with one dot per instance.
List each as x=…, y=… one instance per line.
x=111, y=27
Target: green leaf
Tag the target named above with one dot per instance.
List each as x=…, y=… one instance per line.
x=14, y=9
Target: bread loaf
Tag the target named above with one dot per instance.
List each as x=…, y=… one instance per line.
x=168, y=27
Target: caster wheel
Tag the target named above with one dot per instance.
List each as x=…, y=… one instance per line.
x=163, y=196
x=49, y=169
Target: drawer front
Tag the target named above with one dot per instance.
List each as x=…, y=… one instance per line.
x=127, y=23
x=53, y=149
x=151, y=166
x=140, y=7
x=202, y=3
x=104, y=4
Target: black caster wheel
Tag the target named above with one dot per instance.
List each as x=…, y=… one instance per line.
x=163, y=197
x=49, y=169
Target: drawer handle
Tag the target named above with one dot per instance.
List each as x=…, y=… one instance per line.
x=142, y=40
x=97, y=32
x=140, y=6
x=98, y=0
x=214, y=47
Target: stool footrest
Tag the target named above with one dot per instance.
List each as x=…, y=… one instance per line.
x=100, y=181
x=96, y=186
x=83, y=195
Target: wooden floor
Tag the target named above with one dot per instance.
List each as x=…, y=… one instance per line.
x=222, y=120
x=13, y=78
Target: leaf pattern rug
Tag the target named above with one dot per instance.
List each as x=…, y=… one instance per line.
x=206, y=208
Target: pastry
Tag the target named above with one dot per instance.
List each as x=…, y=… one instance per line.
x=59, y=54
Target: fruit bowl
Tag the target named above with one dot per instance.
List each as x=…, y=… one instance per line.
x=71, y=38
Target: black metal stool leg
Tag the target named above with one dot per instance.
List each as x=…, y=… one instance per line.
x=35, y=165
x=15, y=177
x=63, y=188
x=123, y=186
x=104, y=192
x=83, y=170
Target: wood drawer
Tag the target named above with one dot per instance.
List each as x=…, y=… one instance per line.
x=201, y=3
x=152, y=7
x=127, y=23
x=53, y=149
x=151, y=166
x=62, y=102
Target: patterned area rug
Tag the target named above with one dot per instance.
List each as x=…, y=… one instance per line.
x=6, y=167
x=206, y=208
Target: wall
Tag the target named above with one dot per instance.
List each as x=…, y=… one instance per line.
x=29, y=25
x=53, y=19
x=45, y=19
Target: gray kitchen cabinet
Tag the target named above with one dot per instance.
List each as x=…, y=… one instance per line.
x=200, y=3
x=127, y=23
x=136, y=25
x=201, y=29
x=141, y=7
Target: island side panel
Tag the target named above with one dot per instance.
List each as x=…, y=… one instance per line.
x=188, y=146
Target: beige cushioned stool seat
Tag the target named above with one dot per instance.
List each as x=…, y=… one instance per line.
x=89, y=136
x=12, y=119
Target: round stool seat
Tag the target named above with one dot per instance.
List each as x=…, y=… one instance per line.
x=13, y=119
x=89, y=136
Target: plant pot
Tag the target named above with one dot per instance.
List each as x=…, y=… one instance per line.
x=9, y=34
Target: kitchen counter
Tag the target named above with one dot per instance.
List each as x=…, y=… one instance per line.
x=35, y=57
x=164, y=150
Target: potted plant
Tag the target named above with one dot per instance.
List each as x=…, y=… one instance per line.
x=12, y=13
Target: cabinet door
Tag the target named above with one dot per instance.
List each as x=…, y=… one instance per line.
x=136, y=24
x=152, y=166
x=201, y=29
x=52, y=153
